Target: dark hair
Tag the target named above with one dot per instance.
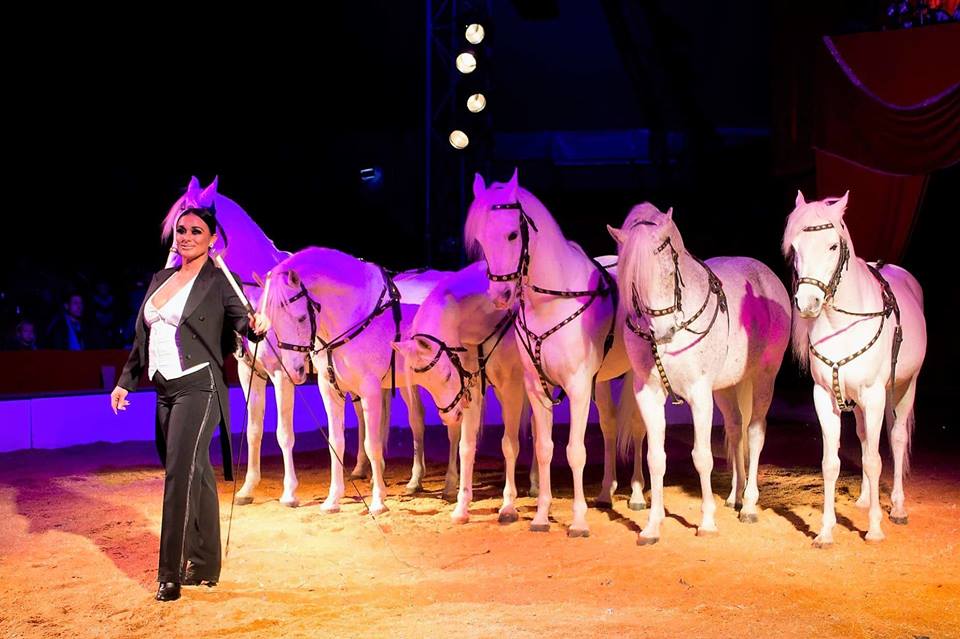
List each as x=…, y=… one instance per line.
x=209, y=216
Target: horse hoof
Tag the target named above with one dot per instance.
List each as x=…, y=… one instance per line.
x=637, y=505
x=900, y=521
x=646, y=541
x=539, y=527
x=243, y=501
x=823, y=545
x=701, y=532
x=603, y=505
x=450, y=498
x=874, y=539
x=578, y=532
x=749, y=518
x=730, y=504
x=379, y=510
x=412, y=490
x=508, y=517
x=330, y=510
x=459, y=519
x=293, y=503
x=533, y=492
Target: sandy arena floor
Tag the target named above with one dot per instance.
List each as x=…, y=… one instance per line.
x=79, y=533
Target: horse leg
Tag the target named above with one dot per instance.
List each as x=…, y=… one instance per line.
x=631, y=429
x=511, y=407
x=701, y=405
x=542, y=410
x=254, y=388
x=873, y=400
x=333, y=404
x=863, y=501
x=452, y=478
x=829, y=417
x=650, y=402
x=756, y=434
x=361, y=469
x=283, y=390
x=371, y=399
x=900, y=436
x=579, y=393
x=608, y=426
x=411, y=396
x=534, y=474
x=726, y=401
x=468, y=454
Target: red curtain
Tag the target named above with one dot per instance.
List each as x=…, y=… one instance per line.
x=887, y=114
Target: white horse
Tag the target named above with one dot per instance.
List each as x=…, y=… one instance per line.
x=250, y=254
x=704, y=332
x=852, y=316
x=459, y=336
x=344, y=313
x=564, y=334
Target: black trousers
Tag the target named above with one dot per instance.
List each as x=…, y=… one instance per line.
x=188, y=412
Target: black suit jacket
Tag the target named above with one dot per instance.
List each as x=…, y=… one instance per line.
x=212, y=316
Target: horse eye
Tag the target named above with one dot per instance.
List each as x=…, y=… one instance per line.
x=449, y=375
x=833, y=248
x=302, y=319
x=512, y=236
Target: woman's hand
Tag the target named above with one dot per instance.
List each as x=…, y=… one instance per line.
x=260, y=323
x=118, y=399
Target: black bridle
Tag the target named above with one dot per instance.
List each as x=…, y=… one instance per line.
x=716, y=289
x=467, y=378
x=314, y=308
x=531, y=341
x=843, y=262
x=453, y=354
x=889, y=306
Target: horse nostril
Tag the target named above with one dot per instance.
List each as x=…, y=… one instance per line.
x=300, y=370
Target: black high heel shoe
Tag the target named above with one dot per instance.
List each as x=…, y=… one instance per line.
x=168, y=591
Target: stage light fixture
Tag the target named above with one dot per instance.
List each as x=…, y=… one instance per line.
x=459, y=139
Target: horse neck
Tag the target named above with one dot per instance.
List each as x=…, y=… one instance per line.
x=459, y=311
x=555, y=263
x=346, y=296
x=857, y=291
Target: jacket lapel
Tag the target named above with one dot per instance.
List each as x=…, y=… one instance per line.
x=205, y=280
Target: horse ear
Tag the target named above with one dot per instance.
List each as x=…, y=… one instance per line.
x=479, y=186
x=513, y=186
x=208, y=195
x=192, y=195
x=669, y=214
x=617, y=234
x=800, y=199
x=841, y=204
x=293, y=280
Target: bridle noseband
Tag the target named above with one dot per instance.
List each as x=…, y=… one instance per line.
x=830, y=289
x=716, y=289
x=453, y=354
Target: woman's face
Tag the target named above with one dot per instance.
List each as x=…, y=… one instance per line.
x=193, y=237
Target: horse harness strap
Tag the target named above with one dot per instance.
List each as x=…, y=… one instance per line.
x=533, y=343
x=499, y=331
x=313, y=307
x=889, y=306
x=716, y=289
x=453, y=353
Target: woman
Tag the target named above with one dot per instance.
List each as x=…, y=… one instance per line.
x=184, y=331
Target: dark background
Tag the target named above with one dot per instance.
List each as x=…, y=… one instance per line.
x=109, y=116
